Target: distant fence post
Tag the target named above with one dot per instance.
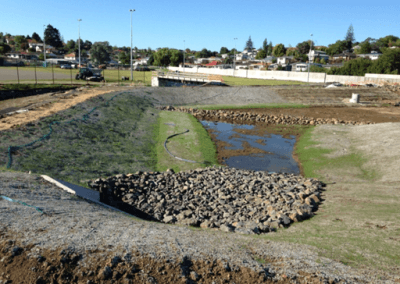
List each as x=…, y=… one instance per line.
x=18, y=72
x=52, y=71
x=71, y=75
x=118, y=73
x=35, y=75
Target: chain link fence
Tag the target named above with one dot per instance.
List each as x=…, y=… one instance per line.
x=18, y=71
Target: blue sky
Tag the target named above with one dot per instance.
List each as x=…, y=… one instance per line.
x=204, y=24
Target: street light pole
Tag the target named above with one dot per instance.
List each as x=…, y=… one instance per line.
x=234, y=56
x=44, y=44
x=131, y=10
x=79, y=41
x=184, y=46
x=309, y=58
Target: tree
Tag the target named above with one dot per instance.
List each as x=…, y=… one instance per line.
x=365, y=47
x=162, y=57
x=204, y=53
x=356, y=67
x=124, y=58
x=303, y=47
x=228, y=60
x=249, y=44
x=52, y=37
x=176, y=57
x=388, y=63
x=279, y=50
x=151, y=59
x=4, y=48
x=21, y=42
x=261, y=54
x=270, y=48
x=384, y=42
x=265, y=46
x=99, y=53
x=224, y=50
x=36, y=37
x=87, y=45
x=337, y=47
x=350, y=35
x=70, y=46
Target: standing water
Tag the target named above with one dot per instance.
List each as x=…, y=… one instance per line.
x=242, y=147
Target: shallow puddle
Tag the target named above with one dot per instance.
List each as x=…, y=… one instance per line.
x=253, y=148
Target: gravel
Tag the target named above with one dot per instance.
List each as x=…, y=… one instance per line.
x=73, y=223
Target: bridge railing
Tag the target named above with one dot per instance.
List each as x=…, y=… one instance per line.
x=187, y=76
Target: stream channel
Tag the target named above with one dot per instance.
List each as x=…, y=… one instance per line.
x=253, y=147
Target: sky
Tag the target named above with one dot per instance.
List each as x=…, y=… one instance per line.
x=203, y=24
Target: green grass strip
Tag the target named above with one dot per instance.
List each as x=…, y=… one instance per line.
x=212, y=107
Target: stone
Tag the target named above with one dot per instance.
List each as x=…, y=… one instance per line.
x=105, y=273
x=194, y=276
x=168, y=219
x=225, y=228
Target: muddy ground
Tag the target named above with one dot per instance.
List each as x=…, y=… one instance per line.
x=347, y=113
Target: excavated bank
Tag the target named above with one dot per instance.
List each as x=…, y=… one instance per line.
x=228, y=199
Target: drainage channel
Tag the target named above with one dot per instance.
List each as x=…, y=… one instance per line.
x=253, y=147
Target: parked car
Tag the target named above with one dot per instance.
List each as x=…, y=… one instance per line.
x=66, y=66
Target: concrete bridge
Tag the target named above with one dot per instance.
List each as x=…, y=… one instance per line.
x=177, y=78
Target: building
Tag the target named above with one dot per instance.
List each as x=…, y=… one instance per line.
x=314, y=54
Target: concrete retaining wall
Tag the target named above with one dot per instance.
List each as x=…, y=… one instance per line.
x=293, y=76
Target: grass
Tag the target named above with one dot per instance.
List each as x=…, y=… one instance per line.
x=111, y=76
x=22, y=87
x=357, y=223
x=117, y=138
x=195, y=145
x=217, y=107
x=314, y=158
x=235, y=81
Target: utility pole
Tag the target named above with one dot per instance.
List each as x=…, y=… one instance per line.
x=131, y=10
x=309, y=59
x=79, y=41
x=184, y=46
x=234, y=56
x=44, y=45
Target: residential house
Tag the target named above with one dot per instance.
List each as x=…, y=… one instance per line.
x=21, y=55
x=314, y=54
x=71, y=56
x=344, y=56
x=270, y=59
x=201, y=61
x=212, y=64
x=283, y=60
x=372, y=56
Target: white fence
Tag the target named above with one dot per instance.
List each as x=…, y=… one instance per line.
x=294, y=76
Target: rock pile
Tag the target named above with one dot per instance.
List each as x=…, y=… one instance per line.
x=202, y=114
x=226, y=198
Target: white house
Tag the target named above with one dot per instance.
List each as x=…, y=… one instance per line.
x=314, y=54
x=284, y=60
x=373, y=55
x=71, y=56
